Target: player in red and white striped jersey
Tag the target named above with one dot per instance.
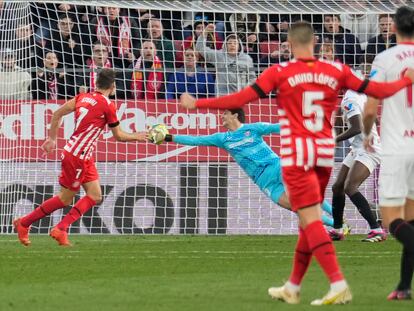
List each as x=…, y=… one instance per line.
x=93, y=111
x=307, y=95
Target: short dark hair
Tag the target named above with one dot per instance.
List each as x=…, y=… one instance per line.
x=301, y=32
x=106, y=78
x=385, y=15
x=332, y=15
x=404, y=21
x=240, y=114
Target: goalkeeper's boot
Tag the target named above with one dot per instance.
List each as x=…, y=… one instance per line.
x=400, y=295
x=334, y=298
x=22, y=232
x=376, y=236
x=281, y=293
x=61, y=236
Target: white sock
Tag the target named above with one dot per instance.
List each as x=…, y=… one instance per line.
x=339, y=286
x=293, y=288
x=379, y=229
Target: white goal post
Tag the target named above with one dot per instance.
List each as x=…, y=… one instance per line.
x=51, y=50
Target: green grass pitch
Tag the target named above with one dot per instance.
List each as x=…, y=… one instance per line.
x=183, y=273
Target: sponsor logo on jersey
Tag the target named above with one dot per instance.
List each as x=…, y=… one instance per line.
x=373, y=73
x=348, y=106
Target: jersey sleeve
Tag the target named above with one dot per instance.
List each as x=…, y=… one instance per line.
x=350, y=106
x=265, y=128
x=264, y=84
x=110, y=115
x=375, y=89
x=267, y=81
x=206, y=140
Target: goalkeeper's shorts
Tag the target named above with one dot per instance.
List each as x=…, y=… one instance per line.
x=271, y=182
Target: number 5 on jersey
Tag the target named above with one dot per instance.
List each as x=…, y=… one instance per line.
x=313, y=112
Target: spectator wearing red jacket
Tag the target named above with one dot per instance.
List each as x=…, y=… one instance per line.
x=146, y=78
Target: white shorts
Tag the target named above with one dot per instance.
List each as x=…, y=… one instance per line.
x=369, y=159
x=396, y=180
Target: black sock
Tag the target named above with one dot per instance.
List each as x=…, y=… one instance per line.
x=338, y=205
x=404, y=233
x=364, y=209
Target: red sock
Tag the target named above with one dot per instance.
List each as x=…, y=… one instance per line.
x=322, y=248
x=302, y=259
x=80, y=208
x=46, y=208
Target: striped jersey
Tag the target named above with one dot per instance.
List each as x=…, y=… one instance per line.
x=307, y=94
x=93, y=111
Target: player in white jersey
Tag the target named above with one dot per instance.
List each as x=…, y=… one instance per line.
x=356, y=168
x=396, y=180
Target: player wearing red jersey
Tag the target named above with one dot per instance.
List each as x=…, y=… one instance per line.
x=307, y=95
x=93, y=111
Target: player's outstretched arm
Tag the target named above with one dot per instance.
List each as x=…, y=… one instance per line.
x=55, y=123
x=206, y=140
x=370, y=115
x=264, y=84
x=120, y=135
x=375, y=89
x=265, y=128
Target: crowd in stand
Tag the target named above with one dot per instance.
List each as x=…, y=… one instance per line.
x=161, y=54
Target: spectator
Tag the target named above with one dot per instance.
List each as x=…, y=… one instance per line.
x=386, y=37
x=14, y=81
x=146, y=77
x=120, y=33
x=283, y=54
x=100, y=59
x=191, y=79
x=213, y=40
x=363, y=26
x=164, y=46
x=24, y=42
x=51, y=81
x=347, y=47
x=326, y=51
x=66, y=43
x=234, y=67
x=247, y=28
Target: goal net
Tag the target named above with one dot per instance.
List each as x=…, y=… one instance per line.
x=52, y=50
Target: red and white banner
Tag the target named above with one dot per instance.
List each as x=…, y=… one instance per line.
x=24, y=126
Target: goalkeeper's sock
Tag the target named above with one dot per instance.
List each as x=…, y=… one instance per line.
x=327, y=220
x=326, y=207
x=322, y=248
x=301, y=260
x=338, y=206
x=404, y=232
x=80, y=208
x=46, y=208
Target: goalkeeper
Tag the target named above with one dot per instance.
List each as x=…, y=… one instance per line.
x=245, y=144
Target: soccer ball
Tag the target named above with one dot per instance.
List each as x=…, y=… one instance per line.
x=157, y=133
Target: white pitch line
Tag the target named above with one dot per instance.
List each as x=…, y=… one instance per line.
x=152, y=257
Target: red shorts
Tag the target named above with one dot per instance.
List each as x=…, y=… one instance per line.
x=76, y=172
x=305, y=188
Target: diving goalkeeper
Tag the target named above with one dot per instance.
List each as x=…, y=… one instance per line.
x=245, y=144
